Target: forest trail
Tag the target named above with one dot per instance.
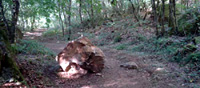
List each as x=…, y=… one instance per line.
x=113, y=76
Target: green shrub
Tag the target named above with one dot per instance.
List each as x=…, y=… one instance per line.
x=32, y=47
x=117, y=39
x=121, y=47
x=193, y=58
x=184, y=52
x=141, y=37
x=51, y=33
x=189, y=22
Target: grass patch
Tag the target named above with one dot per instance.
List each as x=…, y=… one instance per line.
x=32, y=47
x=117, y=39
x=121, y=47
x=50, y=33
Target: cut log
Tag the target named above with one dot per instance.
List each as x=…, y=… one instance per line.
x=83, y=54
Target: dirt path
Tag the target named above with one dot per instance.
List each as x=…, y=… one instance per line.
x=113, y=76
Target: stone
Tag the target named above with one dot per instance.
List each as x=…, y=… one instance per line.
x=81, y=54
x=129, y=65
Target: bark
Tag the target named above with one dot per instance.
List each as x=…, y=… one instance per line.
x=61, y=21
x=23, y=23
x=155, y=16
x=3, y=16
x=145, y=8
x=92, y=13
x=133, y=8
x=174, y=11
x=32, y=23
x=69, y=19
x=172, y=17
x=65, y=16
x=15, y=13
x=80, y=12
x=7, y=57
x=162, y=18
x=104, y=10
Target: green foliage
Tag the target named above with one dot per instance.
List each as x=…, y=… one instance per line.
x=140, y=37
x=117, y=39
x=50, y=33
x=103, y=39
x=189, y=21
x=33, y=47
x=161, y=46
x=183, y=52
x=194, y=58
x=197, y=39
x=121, y=47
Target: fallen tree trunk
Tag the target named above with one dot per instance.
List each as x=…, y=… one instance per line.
x=81, y=54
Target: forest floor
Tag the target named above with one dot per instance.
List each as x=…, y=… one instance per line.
x=151, y=73
x=122, y=41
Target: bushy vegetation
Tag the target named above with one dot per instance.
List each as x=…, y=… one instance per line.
x=32, y=47
x=117, y=39
x=121, y=47
x=52, y=32
x=189, y=22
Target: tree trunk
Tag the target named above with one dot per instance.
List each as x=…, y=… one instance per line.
x=15, y=13
x=133, y=8
x=32, y=23
x=7, y=57
x=162, y=18
x=174, y=11
x=80, y=8
x=69, y=19
x=61, y=21
x=104, y=10
x=172, y=17
x=4, y=18
x=92, y=13
x=155, y=16
x=23, y=23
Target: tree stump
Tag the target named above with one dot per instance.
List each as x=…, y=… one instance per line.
x=81, y=54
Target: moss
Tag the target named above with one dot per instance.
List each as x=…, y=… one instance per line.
x=7, y=56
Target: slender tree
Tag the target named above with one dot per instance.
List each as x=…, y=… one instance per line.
x=162, y=18
x=172, y=17
x=60, y=18
x=92, y=13
x=80, y=10
x=69, y=19
x=133, y=8
x=155, y=16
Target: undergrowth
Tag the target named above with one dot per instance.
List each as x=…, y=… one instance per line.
x=32, y=47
